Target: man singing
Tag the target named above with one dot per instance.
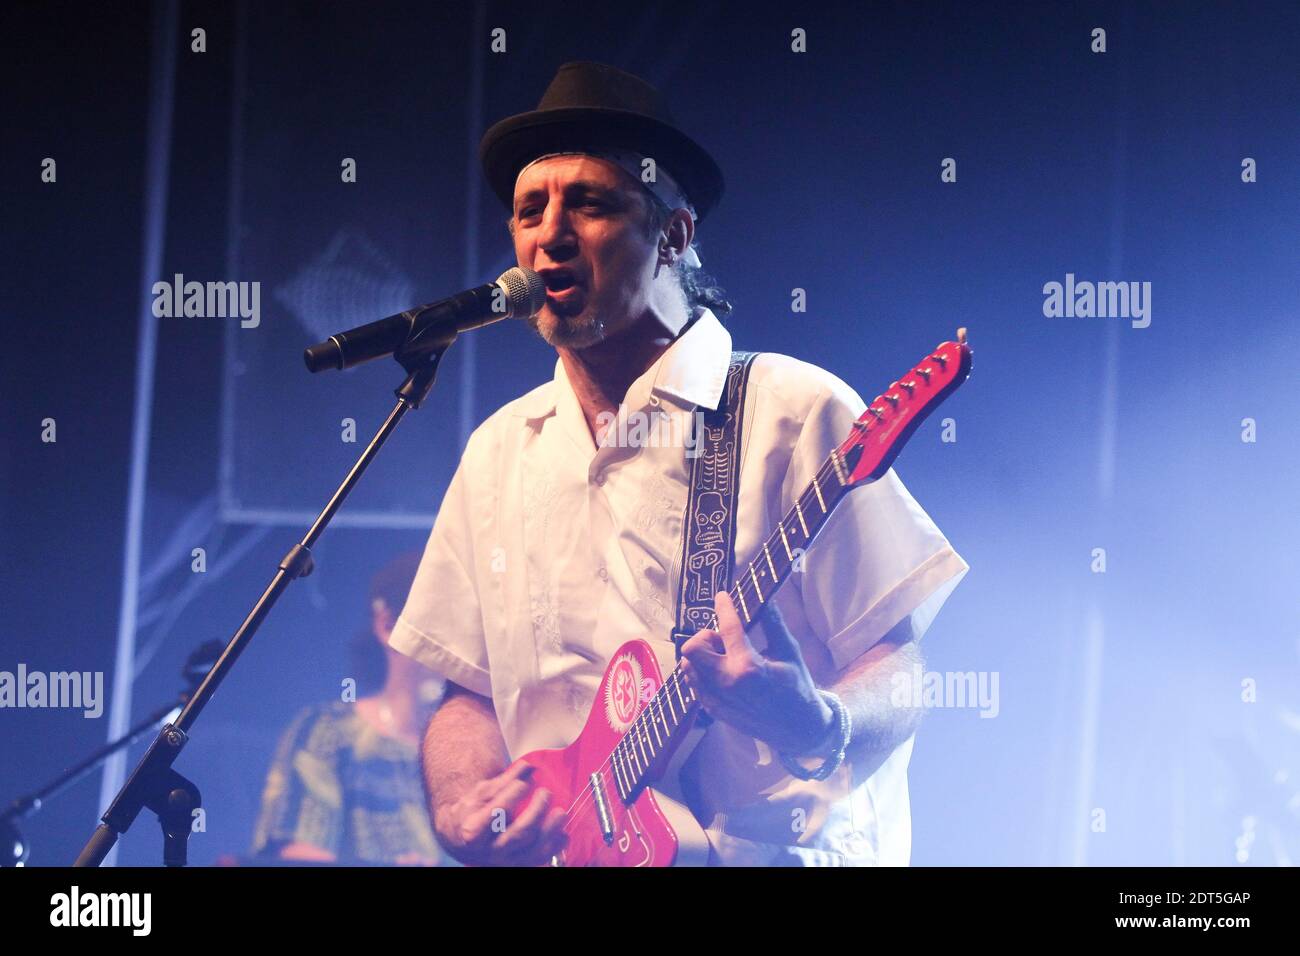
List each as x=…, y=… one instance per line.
x=555, y=544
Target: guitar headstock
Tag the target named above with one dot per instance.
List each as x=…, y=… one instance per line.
x=891, y=417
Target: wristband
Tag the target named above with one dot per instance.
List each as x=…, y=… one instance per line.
x=844, y=726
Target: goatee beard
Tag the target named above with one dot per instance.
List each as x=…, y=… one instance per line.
x=572, y=332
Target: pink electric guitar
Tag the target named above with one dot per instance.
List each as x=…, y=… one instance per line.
x=634, y=733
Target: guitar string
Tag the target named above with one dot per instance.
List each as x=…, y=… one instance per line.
x=580, y=801
x=826, y=471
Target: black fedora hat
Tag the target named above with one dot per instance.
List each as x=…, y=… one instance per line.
x=595, y=106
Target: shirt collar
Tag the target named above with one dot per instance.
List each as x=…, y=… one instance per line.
x=693, y=370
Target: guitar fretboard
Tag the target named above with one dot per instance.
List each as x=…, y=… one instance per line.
x=664, y=715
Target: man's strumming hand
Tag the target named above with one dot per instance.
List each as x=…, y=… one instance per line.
x=470, y=829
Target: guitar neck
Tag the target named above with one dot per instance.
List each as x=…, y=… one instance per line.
x=873, y=443
x=640, y=752
x=785, y=548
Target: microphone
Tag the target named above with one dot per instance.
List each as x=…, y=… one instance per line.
x=518, y=294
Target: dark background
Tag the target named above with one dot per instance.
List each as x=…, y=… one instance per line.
x=1119, y=691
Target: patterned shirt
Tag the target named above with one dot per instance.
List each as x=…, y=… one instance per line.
x=339, y=784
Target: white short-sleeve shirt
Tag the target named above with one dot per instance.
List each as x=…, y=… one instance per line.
x=549, y=553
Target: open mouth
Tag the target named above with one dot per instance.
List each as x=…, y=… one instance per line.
x=559, y=280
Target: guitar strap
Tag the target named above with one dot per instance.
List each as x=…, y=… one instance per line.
x=709, y=523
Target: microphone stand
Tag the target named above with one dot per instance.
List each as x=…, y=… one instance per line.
x=153, y=783
x=15, y=849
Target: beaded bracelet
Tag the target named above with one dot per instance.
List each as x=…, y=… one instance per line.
x=831, y=763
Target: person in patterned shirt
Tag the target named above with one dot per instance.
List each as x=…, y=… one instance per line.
x=344, y=786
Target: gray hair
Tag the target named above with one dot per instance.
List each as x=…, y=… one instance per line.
x=698, y=287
